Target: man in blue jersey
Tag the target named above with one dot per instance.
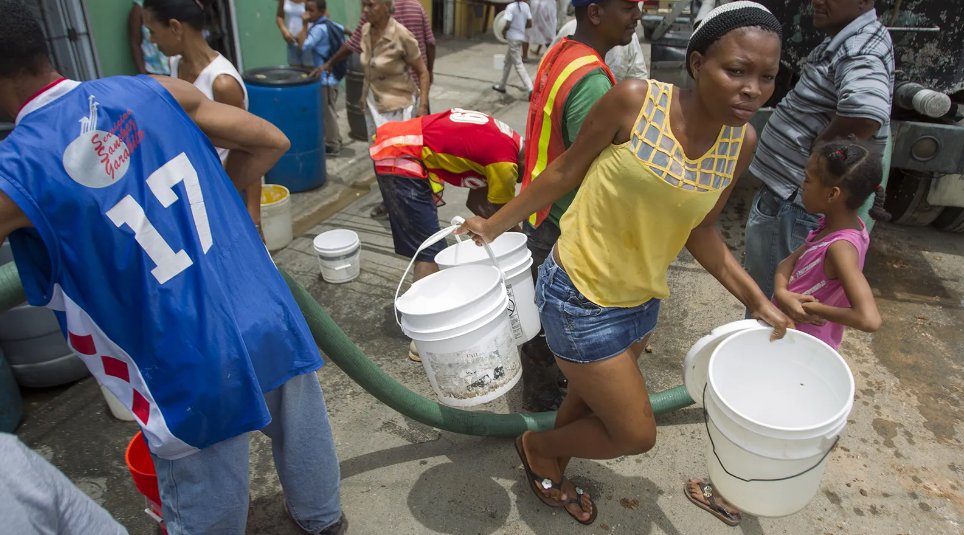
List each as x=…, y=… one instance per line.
x=123, y=221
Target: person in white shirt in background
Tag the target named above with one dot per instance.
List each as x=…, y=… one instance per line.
x=626, y=62
x=517, y=19
x=289, y=20
x=544, y=24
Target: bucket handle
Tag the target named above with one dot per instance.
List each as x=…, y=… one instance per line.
x=731, y=474
x=430, y=241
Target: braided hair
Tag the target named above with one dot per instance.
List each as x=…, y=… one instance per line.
x=856, y=168
x=724, y=19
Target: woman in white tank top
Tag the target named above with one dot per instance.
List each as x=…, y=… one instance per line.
x=288, y=19
x=176, y=27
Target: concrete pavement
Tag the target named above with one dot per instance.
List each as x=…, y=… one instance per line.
x=897, y=470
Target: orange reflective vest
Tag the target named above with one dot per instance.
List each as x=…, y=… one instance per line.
x=559, y=71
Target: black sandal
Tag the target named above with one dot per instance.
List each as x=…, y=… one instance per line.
x=578, y=501
x=535, y=481
x=712, y=506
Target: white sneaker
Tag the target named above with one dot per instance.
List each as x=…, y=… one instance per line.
x=413, y=353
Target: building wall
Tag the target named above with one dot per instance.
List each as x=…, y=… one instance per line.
x=108, y=28
x=258, y=36
x=260, y=43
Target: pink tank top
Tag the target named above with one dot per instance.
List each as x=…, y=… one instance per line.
x=808, y=277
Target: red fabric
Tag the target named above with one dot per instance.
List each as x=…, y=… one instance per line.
x=550, y=68
x=483, y=144
x=395, y=158
x=39, y=92
x=452, y=133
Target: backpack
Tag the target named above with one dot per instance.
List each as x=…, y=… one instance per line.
x=336, y=39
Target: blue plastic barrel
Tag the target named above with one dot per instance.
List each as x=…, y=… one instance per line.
x=288, y=98
x=11, y=405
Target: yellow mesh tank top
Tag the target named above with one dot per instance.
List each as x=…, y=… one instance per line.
x=637, y=206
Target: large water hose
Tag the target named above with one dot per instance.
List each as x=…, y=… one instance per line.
x=336, y=346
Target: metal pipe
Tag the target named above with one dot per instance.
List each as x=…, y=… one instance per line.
x=913, y=96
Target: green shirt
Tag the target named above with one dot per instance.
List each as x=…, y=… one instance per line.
x=580, y=100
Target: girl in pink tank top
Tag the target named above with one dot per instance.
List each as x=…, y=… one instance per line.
x=821, y=286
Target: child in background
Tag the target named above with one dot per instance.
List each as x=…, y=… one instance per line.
x=314, y=38
x=821, y=286
x=517, y=19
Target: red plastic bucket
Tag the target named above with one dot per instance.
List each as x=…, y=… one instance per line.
x=141, y=466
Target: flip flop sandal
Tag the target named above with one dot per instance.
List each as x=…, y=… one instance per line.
x=535, y=481
x=712, y=506
x=578, y=501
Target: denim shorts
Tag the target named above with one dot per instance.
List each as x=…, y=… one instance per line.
x=412, y=215
x=581, y=331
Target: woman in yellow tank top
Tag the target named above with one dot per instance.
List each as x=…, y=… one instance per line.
x=654, y=165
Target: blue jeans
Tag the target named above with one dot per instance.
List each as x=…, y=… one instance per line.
x=775, y=228
x=207, y=492
x=412, y=215
x=297, y=56
x=540, y=241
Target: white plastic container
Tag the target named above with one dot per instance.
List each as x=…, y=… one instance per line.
x=774, y=412
x=276, y=216
x=524, y=316
x=515, y=260
x=117, y=409
x=498, y=61
x=509, y=250
x=459, y=320
x=339, y=255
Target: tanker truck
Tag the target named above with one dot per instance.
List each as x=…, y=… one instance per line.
x=926, y=180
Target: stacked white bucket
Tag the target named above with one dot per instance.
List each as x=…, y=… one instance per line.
x=460, y=321
x=774, y=412
x=515, y=261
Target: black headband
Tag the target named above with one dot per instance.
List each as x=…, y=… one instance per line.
x=725, y=19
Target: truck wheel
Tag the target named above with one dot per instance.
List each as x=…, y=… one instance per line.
x=907, y=199
x=950, y=220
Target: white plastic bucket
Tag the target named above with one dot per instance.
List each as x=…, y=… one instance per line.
x=509, y=250
x=117, y=409
x=276, y=216
x=459, y=321
x=498, y=61
x=443, y=306
x=339, y=255
x=774, y=412
x=515, y=259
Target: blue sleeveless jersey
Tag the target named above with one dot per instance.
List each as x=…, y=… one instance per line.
x=142, y=246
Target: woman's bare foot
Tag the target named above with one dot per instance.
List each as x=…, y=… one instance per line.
x=578, y=503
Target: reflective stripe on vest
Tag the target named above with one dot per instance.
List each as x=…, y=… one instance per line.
x=546, y=131
x=560, y=70
x=398, y=149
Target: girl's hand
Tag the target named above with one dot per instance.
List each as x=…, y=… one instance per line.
x=769, y=313
x=304, y=18
x=290, y=39
x=478, y=228
x=793, y=305
x=811, y=309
